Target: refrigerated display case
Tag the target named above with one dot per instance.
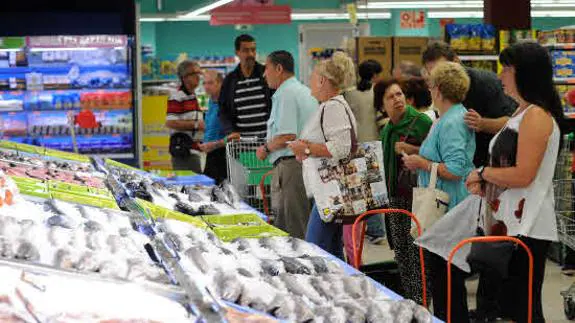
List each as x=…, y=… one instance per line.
x=51, y=85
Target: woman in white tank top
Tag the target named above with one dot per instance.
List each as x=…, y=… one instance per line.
x=519, y=180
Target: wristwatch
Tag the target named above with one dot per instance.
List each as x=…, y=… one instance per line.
x=480, y=171
x=307, y=151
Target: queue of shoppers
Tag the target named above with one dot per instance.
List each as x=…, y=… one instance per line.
x=496, y=137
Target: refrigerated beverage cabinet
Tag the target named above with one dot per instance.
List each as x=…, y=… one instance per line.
x=71, y=87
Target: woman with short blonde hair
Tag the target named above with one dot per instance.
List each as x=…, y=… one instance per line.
x=451, y=144
x=328, y=134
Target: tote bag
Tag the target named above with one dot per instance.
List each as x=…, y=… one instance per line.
x=429, y=203
x=344, y=189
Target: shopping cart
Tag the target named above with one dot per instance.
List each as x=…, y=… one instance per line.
x=246, y=172
x=565, y=212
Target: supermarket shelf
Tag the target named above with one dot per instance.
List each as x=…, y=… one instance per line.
x=84, y=90
x=560, y=46
x=478, y=57
x=564, y=80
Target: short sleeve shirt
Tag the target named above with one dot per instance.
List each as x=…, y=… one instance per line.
x=292, y=107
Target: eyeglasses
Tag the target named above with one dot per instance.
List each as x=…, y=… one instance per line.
x=193, y=74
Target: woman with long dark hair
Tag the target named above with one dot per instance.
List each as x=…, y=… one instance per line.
x=518, y=183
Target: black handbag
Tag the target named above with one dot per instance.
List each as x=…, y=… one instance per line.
x=180, y=145
x=406, y=179
x=491, y=256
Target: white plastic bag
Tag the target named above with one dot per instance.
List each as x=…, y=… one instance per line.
x=458, y=224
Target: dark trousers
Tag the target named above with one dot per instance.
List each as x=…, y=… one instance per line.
x=437, y=270
x=216, y=165
x=514, y=297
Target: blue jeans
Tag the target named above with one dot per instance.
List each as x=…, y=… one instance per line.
x=375, y=227
x=328, y=236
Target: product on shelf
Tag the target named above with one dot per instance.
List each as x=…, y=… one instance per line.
x=558, y=36
x=471, y=37
x=53, y=75
x=563, y=63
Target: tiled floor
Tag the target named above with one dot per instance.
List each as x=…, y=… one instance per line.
x=554, y=283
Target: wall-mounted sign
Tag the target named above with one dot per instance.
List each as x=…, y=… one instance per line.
x=412, y=19
x=77, y=41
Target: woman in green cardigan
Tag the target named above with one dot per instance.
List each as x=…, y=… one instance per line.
x=404, y=133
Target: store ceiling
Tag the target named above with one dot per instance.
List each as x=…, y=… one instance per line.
x=171, y=9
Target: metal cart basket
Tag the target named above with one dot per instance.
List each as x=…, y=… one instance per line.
x=565, y=212
x=245, y=171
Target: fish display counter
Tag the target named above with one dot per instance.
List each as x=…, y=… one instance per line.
x=181, y=251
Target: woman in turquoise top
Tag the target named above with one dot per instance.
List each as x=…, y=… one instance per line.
x=451, y=144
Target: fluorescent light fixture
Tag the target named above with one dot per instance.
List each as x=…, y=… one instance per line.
x=453, y=4
x=152, y=19
x=207, y=8
x=186, y=18
x=455, y=14
x=479, y=14
x=554, y=14
x=339, y=16
x=422, y=4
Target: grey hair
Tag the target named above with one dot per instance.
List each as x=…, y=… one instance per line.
x=183, y=66
x=218, y=76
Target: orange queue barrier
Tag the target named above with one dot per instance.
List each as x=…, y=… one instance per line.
x=358, y=253
x=263, y=191
x=488, y=240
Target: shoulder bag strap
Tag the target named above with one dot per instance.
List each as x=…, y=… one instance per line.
x=410, y=127
x=353, y=136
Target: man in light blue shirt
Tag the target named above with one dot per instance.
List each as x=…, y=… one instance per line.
x=292, y=106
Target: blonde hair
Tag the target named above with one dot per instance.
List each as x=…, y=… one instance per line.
x=451, y=80
x=339, y=70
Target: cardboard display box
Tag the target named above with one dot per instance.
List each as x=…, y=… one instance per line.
x=408, y=49
x=376, y=48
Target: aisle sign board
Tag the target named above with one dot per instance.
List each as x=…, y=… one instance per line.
x=251, y=15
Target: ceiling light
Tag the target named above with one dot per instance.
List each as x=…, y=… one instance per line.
x=455, y=14
x=453, y=4
x=207, y=8
x=339, y=16
x=152, y=19
x=555, y=13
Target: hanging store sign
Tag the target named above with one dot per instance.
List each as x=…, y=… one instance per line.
x=250, y=15
x=412, y=19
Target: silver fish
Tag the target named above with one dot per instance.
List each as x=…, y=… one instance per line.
x=301, y=288
x=293, y=266
x=27, y=251
x=354, y=311
x=88, y=262
x=195, y=255
x=63, y=259
x=322, y=287
x=228, y=287
x=352, y=285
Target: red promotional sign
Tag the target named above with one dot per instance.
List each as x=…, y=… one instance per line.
x=412, y=19
x=250, y=15
x=446, y=21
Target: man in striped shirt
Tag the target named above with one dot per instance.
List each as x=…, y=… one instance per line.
x=245, y=99
x=186, y=120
